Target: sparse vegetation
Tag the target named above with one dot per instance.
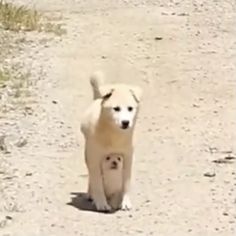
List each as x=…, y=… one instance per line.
x=14, y=84
x=17, y=86
x=20, y=18
x=4, y=76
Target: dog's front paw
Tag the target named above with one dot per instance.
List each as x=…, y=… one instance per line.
x=126, y=204
x=102, y=206
x=88, y=197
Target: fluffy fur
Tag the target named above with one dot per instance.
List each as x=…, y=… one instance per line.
x=112, y=173
x=108, y=126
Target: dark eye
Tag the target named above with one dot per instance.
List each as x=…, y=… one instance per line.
x=116, y=108
x=130, y=108
x=118, y=158
x=108, y=158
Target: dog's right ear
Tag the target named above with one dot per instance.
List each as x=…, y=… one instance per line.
x=107, y=95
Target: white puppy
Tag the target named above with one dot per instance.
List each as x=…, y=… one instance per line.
x=108, y=126
x=112, y=173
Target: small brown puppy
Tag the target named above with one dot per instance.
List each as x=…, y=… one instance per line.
x=112, y=174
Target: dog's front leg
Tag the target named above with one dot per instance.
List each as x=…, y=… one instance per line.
x=96, y=188
x=126, y=204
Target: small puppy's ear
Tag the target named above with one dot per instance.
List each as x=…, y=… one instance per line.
x=137, y=93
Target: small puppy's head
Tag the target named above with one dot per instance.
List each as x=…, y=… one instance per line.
x=112, y=162
x=120, y=105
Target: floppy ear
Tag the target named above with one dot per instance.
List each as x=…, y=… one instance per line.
x=137, y=93
x=107, y=95
x=105, y=90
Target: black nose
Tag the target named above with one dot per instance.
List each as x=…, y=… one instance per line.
x=125, y=124
x=114, y=163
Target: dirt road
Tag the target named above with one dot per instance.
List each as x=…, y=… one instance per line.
x=183, y=55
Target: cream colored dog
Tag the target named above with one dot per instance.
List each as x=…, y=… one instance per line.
x=108, y=126
x=112, y=174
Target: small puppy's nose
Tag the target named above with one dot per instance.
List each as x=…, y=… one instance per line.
x=125, y=124
x=114, y=163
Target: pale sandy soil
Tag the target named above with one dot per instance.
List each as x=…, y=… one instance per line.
x=183, y=54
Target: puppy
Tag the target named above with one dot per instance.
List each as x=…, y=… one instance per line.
x=108, y=126
x=112, y=173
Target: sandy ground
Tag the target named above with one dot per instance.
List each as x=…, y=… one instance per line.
x=183, y=54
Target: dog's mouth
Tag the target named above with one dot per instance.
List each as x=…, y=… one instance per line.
x=125, y=127
x=122, y=127
x=114, y=166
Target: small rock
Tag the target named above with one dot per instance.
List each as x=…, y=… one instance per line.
x=227, y=152
x=3, y=146
x=230, y=158
x=196, y=105
x=222, y=161
x=28, y=110
x=29, y=174
x=21, y=142
x=183, y=14
x=210, y=174
x=225, y=214
x=8, y=217
x=158, y=38
x=213, y=150
x=54, y=102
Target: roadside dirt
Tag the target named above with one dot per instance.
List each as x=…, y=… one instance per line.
x=183, y=55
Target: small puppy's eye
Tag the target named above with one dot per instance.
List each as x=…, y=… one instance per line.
x=118, y=158
x=108, y=158
x=116, y=108
x=130, y=108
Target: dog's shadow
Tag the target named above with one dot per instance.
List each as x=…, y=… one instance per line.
x=81, y=201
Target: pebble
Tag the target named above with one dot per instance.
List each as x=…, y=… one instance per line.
x=209, y=174
x=21, y=142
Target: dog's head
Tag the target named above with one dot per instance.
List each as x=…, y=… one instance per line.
x=113, y=162
x=120, y=105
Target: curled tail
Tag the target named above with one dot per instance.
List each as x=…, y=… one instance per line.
x=96, y=81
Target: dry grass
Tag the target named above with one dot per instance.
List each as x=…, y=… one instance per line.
x=4, y=77
x=16, y=81
x=18, y=18
x=21, y=18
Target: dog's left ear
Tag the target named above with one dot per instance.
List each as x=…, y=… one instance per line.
x=137, y=93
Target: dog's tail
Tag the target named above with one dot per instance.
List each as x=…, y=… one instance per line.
x=96, y=81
